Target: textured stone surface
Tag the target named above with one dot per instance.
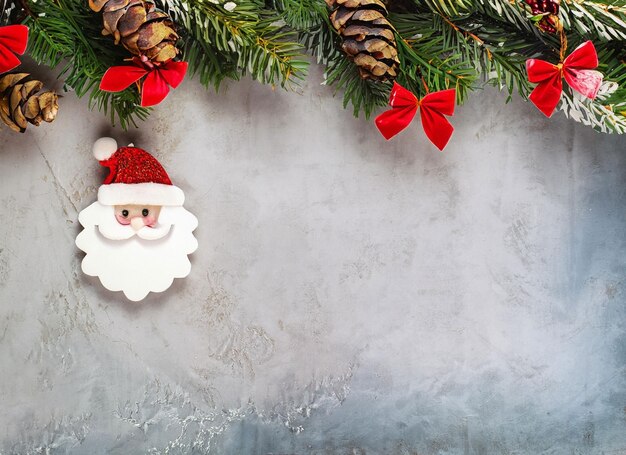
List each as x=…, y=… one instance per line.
x=349, y=296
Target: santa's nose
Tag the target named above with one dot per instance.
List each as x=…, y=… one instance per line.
x=137, y=223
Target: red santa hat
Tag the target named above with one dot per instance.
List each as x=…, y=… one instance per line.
x=135, y=177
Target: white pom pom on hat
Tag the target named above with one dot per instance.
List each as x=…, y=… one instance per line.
x=104, y=148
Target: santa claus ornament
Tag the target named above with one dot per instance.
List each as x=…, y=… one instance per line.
x=137, y=235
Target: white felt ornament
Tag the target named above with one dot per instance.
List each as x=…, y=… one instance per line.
x=137, y=235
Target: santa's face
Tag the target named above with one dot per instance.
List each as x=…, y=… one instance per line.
x=136, y=249
x=137, y=216
x=130, y=220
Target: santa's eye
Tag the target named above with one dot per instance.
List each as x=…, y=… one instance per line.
x=124, y=213
x=145, y=212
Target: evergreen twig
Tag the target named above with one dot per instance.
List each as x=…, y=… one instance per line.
x=443, y=43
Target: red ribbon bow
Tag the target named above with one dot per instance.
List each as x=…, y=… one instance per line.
x=577, y=69
x=432, y=108
x=154, y=88
x=13, y=40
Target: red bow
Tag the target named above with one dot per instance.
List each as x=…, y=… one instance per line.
x=154, y=88
x=433, y=107
x=577, y=69
x=13, y=40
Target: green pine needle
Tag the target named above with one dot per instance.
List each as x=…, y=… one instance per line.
x=460, y=44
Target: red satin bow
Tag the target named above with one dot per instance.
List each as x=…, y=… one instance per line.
x=154, y=88
x=13, y=40
x=577, y=69
x=433, y=108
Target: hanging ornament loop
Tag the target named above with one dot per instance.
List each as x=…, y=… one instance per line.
x=563, y=39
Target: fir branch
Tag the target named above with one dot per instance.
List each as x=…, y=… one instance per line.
x=248, y=40
x=613, y=68
x=363, y=95
x=601, y=21
x=441, y=44
x=425, y=54
x=496, y=50
x=310, y=19
x=322, y=42
x=66, y=34
x=302, y=14
x=512, y=12
x=449, y=8
x=592, y=113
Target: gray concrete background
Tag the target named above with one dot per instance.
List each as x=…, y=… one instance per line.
x=349, y=296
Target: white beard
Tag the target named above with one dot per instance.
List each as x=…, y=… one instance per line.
x=136, y=262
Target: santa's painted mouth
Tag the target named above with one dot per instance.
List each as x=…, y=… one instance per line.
x=116, y=231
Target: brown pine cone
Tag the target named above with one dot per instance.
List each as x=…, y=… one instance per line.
x=20, y=104
x=368, y=37
x=139, y=27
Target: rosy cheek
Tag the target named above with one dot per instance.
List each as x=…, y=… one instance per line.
x=120, y=219
x=149, y=220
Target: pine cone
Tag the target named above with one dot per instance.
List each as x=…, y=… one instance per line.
x=20, y=104
x=368, y=37
x=140, y=27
